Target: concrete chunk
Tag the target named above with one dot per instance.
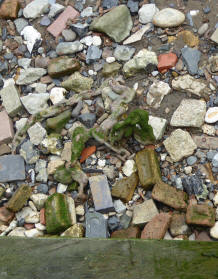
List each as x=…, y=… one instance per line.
x=11, y=100
x=11, y=168
x=6, y=128
x=144, y=212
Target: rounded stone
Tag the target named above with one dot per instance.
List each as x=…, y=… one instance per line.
x=214, y=231
x=191, y=160
x=168, y=18
x=147, y=12
x=212, y=115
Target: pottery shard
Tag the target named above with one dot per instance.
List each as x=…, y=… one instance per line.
x=200, y=214
x=157, y=227
x=9, y=9
x=124, y=188
x=148, y=168
x=170, y=196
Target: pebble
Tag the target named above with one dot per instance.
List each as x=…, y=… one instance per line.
x=211, y=115
x=168, y=17
x=147, y=12
x=191, y=160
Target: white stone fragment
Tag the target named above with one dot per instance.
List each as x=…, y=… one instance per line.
x=36, y=133
x=61, y=188
x=33, y=233
x=214, y=231
x=110, y=59
x=29, y=215
x=31, y=35
x=35, y=8
x=39, y=200
x=147, y=12
x=119, y=206
x=129, y=167
x=212, y=115
x=156, y=93
x=57, y=95
x=137, y=36
x=159, y=125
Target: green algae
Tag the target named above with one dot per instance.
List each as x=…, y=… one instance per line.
x=58, y=122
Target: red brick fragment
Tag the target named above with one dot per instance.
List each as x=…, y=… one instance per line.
x=6, y=128
x=166, y=61
x=87, y=152
x=157, y=227
x=60, y=23
x=6, y=215
x=42, y=216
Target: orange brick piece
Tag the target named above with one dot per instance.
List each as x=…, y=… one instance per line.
x=166, y=61
x=6, y=128
x=60, y=23
x=157, y=227
x=87, y=152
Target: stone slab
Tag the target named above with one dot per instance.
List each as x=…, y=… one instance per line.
x=6, y=128
x=200, y=214
x=11, y=100
x=12, y=168
x=96, y=225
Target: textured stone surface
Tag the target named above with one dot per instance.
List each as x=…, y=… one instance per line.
x=200, y=214
x=214, y=36
x=64, y=48
x=144, y=212
x=178, y=224
x=96, y=225
x=190, y=113
x=77, y=230
x=57, y=123
x=36, y=133
x=101, y=193
x=156, y=93
x=6, y=128
x=125, y=187
x=191, y=58
x=157, y=227
x=123, y=53
x=35, y=102
x=11, y=168
x=179, y=145
x=19, y=198
x=6, y=215
x=168, y=17
x=116, y=23
x=131, y=232
x=159, y=125
x=147, y=12
x=35, y=8
x=212, y=115
x=30, y=75
x=77, y=82
x=62, y=66
x=11, y=100
x=170, y=196
x=148, y=168
x=9, y=9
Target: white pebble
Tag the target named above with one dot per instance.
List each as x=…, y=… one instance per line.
x=101, y=163
x=110, y=59
x=61, y=188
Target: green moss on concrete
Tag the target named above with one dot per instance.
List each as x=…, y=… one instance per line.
x=63, y=175
x=57, y=123
x=79, y=139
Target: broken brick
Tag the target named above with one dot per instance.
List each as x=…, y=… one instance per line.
x=166, y=61
x=6, y=128
x=200, y=214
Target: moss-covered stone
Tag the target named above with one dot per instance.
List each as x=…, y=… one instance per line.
x=51, y=143
x=19, y=198
x=124, y=188
x=57, y=214
x=62, y=66
x=63, y=175
x=79, y=138
x=2, y=190
x=110, y=69
x=58, y=122
x=148, y=168
x=200, y=214
x=77, y=82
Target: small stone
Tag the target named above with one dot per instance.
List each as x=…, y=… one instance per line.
x=12, y=168
x=62, y=66
x=11, y=100
x=6, y=215
x=203, y=28
x=18, y=232
x=209, y=130
x=203, y=236
x=96, y=225
x=191, y=58
x=131, y=232
x=191, y=160
x=29, y=153
x=61, y=188
x=66, y=153
x=157, y=92
x=108, y=4
x=80, y=29
x=36, y=133
x=60, y=213
x=166, y=61
x=20, y=23
x=137, y=36
x=19, y=198
x=87, y=152
x=148, y=168
x=35, y=8
x=40, y=168
x=6, y=128
x=87, y=12
x=169, y=195
x=111, y=69
x=69, y=35
x=214, y=36
x=55, y=9
x=77, y=82
x=57, y=95
x=189, y=38
x=69, y=48
x=54, y=165
x=119, y=207
x=179, y=145
x=116, y=23
x=88, y=119
x=200, y=214
x=33, y=233
x=77, y=230
x=124, y=53
x=157, y=227
x=214, y=231
x=30, y=75
x=133, y=6
x=39, y=200
x=178, y=225
x=212, y=115
x=80, y=210
x=34, y=103
x=168, y=17
x=29, y=215
x=4, y=149
x=31, y=36
x=124, y=188
x=57, y=123
x=215, y=161
x=159, y=125
x=205, y=142
x=52, y=144
x=93, y=54
x=188, y=170
x=9, y=9
x=24, y=62
x=190, y=113
x=101, y=193
x=147, y=12
x=129, y=167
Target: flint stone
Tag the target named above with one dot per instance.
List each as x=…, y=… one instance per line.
x=157, y=92
x=125, y=187
x=168, y=17
x=144, y=212
x=169, y=195
x=179, y=145
x=101, y=193
x=144, y=61
x=29, y=75
x=158, y=125
x=191, y=58
x=80, y=29
x=77, y=82
x=190, y=113
x=189, y=84
x=55, y=9
x=12, y=168
x=28, y=152
x=69, y=48
x=117, y=23
x=34, y=103
x=123, y=53
x=200, y=214
x=147, y=12
x=19, y=198
x=88, y=119
x=96, y=225
x=148, y=168
x=35, y=8
x=157, y=227
x=192, y=185
x=11, y=100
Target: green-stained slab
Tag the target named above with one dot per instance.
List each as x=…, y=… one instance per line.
x=77, y=82
x=117, y=23
x=200, y=214
x=19, y=198
x=62, y=66
x=148, y=168
x=57, y=213
x=57, y=123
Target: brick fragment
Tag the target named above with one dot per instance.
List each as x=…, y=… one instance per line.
x=200, y=214
x=6, y=128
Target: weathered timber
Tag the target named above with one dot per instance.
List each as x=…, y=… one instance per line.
x=65, y=258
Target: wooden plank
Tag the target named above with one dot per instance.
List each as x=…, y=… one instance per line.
x=64, y=258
